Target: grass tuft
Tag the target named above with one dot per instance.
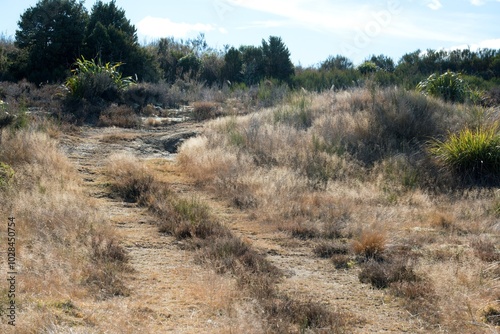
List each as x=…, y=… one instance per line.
x=471, y=154
x=370, y=245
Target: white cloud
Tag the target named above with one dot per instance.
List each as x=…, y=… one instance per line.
x=319, y=15
x=434, y=4
x=486, y=44
x=157, y=27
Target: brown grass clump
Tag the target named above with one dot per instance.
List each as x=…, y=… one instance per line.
x=441, y=221
x=328, y=249
x=204, y=110
x=304, y=231
x=120, y=116
x=370, y=245
x=130, y=178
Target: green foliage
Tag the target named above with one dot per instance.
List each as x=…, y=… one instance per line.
x=276, y=58
x=52, y=34
x=449, y=86
x=383, y=62
x=297, y=113
x=471, y=154
x=252, y=70
x=367, y=67
x=338, y=62
x=7, y=53
x=211, y=69
x=92, y=80
x=112, y=38
x=233, y=65
x=321, y=80
x=189, y=65
x=6, y=175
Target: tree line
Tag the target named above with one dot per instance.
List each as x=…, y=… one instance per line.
x=53, y=34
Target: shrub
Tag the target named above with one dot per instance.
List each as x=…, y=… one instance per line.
x=92, y=80
x=368, y=67
x=304, y=231
x=142, y=94
x=106, y=249
x=473, y=155
x=341, y=261
x=449, y=86
x=382, y=274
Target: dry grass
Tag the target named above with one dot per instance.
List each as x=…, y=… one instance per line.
x=370, y=244
x=64, y=248
x=334, y=165
x=204, y=110
x=120, y=116
x=191, y=221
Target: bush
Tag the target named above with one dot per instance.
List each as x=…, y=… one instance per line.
x=383, y=274
x=449, y=86
x=92, y=80
x=472, y=155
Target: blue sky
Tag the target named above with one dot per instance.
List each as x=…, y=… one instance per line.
x=311, y=29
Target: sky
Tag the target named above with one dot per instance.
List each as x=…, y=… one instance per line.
x=312, y=30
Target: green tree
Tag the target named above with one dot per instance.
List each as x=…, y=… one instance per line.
x=252, y=69
x=383, y=62
x=51, y=35
x=367, y=67
x=112, y=38
x=276, y=58
x=7, y=54
x=233, y=65
x=189, y=65
x=338, y=62
x=212, y=65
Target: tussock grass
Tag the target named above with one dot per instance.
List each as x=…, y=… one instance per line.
x=203, y=110
x=65, y=250
x=329, y=166
x=471, y=154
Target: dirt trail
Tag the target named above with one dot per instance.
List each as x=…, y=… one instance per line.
x=169, y=293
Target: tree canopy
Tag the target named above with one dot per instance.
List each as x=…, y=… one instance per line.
x=51, y=35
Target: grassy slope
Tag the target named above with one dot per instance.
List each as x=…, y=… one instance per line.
x=352, y=168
